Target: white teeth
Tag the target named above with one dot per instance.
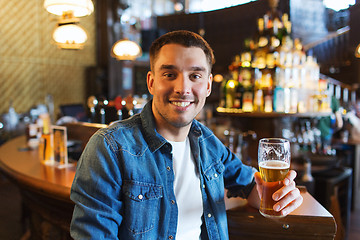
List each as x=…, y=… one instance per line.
x=181, y=104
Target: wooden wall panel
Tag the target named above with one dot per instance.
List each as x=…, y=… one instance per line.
x=31, y=65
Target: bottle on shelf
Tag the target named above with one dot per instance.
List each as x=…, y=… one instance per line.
x=246, y=76
x=239, y=91
x=231, y=87
x=261, y=46
x=258, y=92
x=248, y=97
x=279, y=99
x=268, y=100
x=274, y=72
x=258, y=105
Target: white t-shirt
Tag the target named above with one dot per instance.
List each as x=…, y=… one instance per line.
x=187, y=192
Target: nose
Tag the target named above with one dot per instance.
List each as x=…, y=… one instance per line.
x=182, y=85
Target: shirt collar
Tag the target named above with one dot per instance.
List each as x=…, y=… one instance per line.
x=152, y=137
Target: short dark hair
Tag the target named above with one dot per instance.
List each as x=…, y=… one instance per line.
x=184, y=38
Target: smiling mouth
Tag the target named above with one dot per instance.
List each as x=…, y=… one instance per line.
x=181, y=104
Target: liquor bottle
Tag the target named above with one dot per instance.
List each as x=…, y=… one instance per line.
x=267, y=86
x=258, y=100
x=284, y=27
x=268, y=100
x=231, y=86
x=262, y=39
x=258, y=92
x=46, y=145
x=238, y=101
x=262, y=42
x=279, y=99
x=298, y=53
x=287, y=99
x=293, y=100
x=276, y=32
x=248, y=96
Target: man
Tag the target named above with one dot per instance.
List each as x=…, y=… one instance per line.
x=161, y=174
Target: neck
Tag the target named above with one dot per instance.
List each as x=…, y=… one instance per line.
x=172, y=133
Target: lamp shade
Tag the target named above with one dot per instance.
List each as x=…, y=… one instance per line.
x=70, y=36
x=126, y=50
x=80, y=8
x=357, y=51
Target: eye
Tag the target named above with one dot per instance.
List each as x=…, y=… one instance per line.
x=169, y=75
x=195, y=76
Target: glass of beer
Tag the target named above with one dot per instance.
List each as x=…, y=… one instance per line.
x=274, y=164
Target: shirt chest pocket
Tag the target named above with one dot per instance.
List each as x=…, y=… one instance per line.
x=141, y=206
x=214, y=171
x=214, y=178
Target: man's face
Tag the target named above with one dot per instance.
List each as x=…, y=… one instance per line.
x=179, y=83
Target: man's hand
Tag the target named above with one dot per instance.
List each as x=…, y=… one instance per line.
x=288, y=197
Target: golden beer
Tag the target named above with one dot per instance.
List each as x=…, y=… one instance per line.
x=273, y=173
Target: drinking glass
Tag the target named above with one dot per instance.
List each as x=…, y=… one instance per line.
x=274, y=164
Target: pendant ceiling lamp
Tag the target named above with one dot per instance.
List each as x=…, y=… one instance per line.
x=80, y=8
x=126, y=50
x=68, y=34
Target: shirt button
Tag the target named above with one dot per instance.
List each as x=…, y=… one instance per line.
x=140, y=196
x=215, y=175
x=209, y=215
x=172, y=202
x=203, y=186
x=171, y=237
x=168, y=168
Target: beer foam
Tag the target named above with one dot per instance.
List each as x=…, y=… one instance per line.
x=274, y=164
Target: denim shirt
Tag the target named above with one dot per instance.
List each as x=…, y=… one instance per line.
x=123, y=187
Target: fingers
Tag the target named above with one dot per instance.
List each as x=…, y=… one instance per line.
x=290, y=202
x=282, y=192
x=288, y=197
x=291, y=206
x=290, y=177
x=294, y=205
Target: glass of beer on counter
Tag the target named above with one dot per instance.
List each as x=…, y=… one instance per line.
x=274, y=163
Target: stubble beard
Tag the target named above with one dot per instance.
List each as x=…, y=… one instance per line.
x=176, y=124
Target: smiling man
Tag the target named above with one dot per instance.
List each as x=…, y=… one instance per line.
x=180, y=81
x=161, y=174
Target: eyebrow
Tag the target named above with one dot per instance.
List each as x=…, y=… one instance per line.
x=172, y=67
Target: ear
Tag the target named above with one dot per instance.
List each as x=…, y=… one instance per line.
x=209, y=85
x=150, y=82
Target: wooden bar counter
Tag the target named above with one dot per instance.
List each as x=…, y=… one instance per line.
x=46, y=196
x=45, y=190
x=310, y=221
